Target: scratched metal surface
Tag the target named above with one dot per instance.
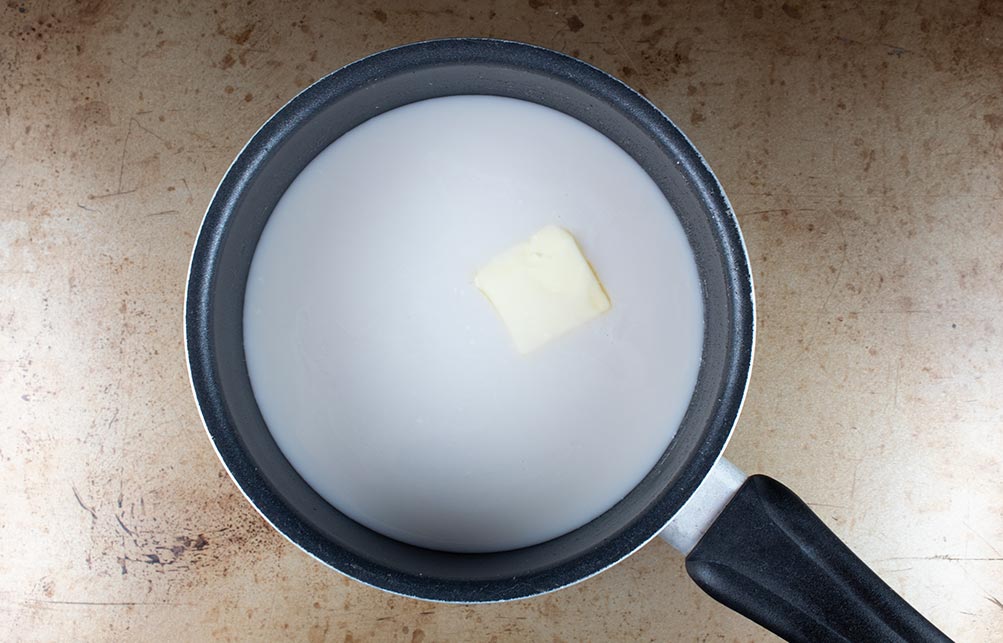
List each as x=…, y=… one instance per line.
x=861, y=146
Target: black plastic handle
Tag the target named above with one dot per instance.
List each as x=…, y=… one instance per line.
x=770, y=558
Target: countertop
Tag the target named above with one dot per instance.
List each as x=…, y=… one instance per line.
x=861, y=145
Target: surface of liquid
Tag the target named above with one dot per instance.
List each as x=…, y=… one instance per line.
x=388, y=380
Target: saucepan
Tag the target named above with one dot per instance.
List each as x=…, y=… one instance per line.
x=748, y=540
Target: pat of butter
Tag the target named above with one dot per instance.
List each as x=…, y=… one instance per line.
x=542, y=288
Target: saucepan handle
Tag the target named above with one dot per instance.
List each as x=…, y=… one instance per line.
x=767, y=556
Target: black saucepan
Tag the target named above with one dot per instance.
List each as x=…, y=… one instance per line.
x=751, y=543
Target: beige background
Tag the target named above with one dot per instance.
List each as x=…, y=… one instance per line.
x=861, y=147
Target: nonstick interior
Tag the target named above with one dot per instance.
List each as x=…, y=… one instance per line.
x=308, y=124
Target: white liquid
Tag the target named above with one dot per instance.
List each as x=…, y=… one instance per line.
x=387, y=379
